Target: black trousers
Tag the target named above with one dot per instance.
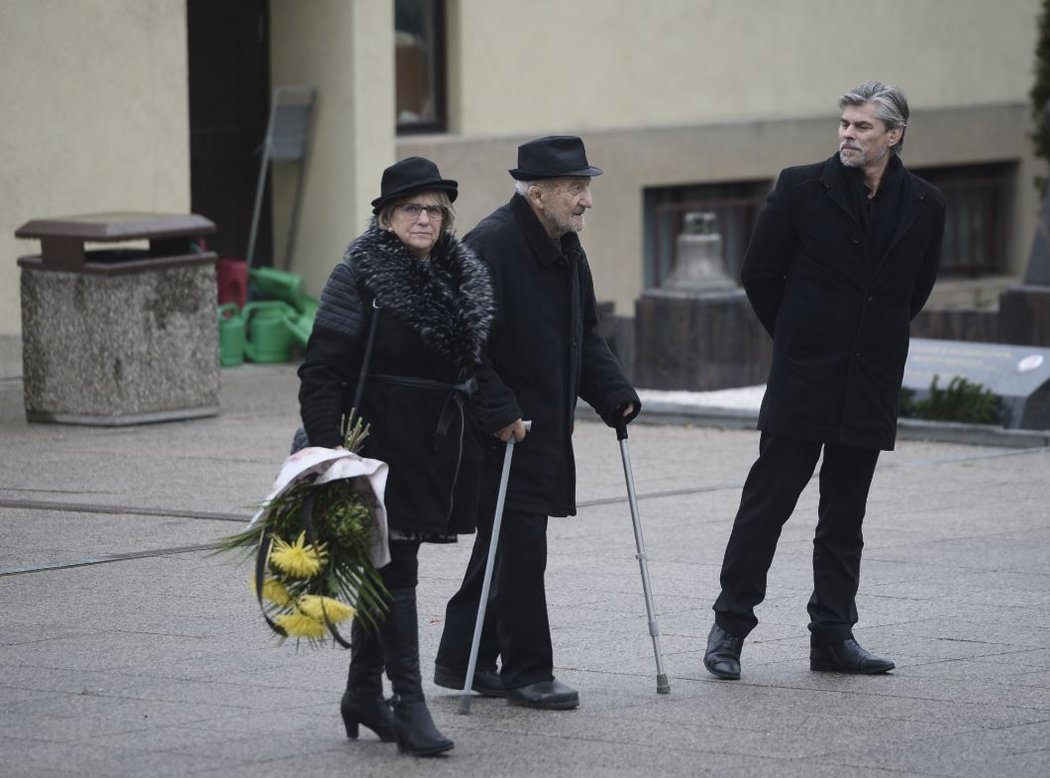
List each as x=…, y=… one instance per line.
x=516, y=626
x=782, y=470
x=403, y=570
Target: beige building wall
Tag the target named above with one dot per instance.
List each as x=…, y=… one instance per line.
x=346, y=50
x=599, y=64
x=682, y=92
x=94, y=97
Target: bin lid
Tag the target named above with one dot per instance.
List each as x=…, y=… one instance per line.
x=121, y=226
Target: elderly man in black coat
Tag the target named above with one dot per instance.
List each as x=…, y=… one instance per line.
x=544, y=352
x=844, y=255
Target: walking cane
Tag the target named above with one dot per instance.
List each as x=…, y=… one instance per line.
x=464, y=702
x=662, y=684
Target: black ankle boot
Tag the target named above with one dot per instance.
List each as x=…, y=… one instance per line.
x=414, y=727
x=363, y=701
x=416, y=732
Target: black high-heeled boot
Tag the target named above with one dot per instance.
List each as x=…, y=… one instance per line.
x=363, y=701
x=416, y=733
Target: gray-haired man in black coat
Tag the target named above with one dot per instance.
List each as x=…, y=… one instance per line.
x=844, y=254
x=544, y=352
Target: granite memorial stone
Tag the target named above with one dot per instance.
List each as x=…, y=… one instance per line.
x=1019, y=375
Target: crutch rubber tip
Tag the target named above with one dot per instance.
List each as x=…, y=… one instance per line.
x=663, y=686
x=464, y=706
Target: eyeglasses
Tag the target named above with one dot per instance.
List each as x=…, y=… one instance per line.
x=412, y=211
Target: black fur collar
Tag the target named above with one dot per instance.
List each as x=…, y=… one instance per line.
x=447, y=299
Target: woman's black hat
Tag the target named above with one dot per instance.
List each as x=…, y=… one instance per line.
x=553, y=157
x=411, y=175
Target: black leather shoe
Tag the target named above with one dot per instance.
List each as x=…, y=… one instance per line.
x=487, y=683
x=847, y=657
x=545, y=695
x=722, y=659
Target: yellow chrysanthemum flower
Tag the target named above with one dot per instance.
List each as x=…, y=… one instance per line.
x=274, y=591
x=336, y=611
x=299, y=625
x=298, y=559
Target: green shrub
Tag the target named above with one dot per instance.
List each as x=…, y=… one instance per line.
x=961, y=401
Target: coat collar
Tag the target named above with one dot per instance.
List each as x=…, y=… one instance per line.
x=546, y=250
x=448, y=299
x=833, y=176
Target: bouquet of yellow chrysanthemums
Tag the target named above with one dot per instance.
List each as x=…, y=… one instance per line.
x=318, y=541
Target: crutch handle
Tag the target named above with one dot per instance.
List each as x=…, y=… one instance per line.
x=621, y=428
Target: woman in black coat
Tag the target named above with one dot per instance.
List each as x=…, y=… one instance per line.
x=430, y=302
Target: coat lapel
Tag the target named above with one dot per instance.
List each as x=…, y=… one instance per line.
x=910, y=212
x=835, y=183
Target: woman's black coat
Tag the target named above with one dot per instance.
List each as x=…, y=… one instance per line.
x=544, y=351
x=433, y=320
x=839, y=315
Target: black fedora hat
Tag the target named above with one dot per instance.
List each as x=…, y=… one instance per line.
x=553, y=157
x=411, y=175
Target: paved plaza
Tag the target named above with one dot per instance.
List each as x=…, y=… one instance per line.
x=128, y=650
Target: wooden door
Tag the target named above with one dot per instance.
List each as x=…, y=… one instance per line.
x=229, y=45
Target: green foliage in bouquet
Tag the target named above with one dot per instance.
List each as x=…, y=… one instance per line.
x=318, y=570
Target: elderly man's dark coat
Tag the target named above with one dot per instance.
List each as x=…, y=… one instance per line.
x=838, y=311
x=544, y=351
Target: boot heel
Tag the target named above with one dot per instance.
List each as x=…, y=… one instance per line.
x=383, y=730
x=374, y=713
x=351, y=727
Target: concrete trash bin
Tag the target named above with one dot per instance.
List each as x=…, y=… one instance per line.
x=116, y=335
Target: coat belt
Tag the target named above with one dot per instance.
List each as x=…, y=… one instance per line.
x=456, y=396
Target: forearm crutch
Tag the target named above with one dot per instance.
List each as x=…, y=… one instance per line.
x=663, y=686
x=508, y=455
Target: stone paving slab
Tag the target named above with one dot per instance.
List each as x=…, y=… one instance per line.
x=128, y=650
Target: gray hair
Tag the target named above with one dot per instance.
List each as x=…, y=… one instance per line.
x=891, y=106
x=386, y=213
x=522, y=187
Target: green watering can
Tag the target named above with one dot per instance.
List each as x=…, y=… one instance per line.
x=303, y=325
x=268, y=334
x=277, y=284
x=231, y=335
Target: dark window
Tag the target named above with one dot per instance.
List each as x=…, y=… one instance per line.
x=977, y=199
x=735, y=206
x=419, y=42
